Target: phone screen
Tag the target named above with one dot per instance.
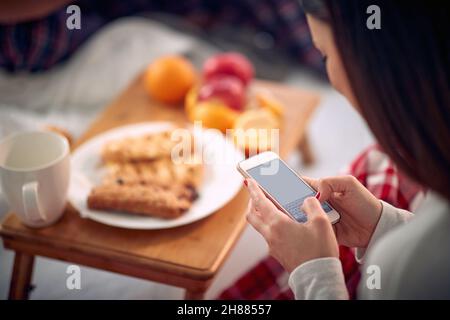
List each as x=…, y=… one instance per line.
x=284, y=186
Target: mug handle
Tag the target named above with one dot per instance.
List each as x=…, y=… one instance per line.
x=31, y=204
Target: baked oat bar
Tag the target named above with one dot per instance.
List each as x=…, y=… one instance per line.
x=160, y=171
x=151, y=200
x=146, y=147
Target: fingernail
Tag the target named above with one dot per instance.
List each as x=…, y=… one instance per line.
x=245, y=182
x=318, y=195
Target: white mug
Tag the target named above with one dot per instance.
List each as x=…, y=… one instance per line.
x=34, y=175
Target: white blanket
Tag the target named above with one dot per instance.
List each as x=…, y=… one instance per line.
x=71, y=93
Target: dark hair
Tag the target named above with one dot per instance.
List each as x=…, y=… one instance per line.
x=400, y=76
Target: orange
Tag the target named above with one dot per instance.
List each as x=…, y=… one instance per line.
x=190, y=101
x=253, y=131
x=257, y=119
x=267, y=101
x=168, y=79
x=213, y=114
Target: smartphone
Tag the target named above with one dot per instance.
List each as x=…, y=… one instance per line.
x=282, y=185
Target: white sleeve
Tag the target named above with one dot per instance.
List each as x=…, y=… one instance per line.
x=390, y=218
x=319, y=279
x=323, y=278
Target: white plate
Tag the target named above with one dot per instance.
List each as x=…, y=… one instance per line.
x=221, y=179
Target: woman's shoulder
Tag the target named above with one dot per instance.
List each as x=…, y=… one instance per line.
x=413, y=260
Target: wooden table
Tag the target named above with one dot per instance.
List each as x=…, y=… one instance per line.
x=189, y=256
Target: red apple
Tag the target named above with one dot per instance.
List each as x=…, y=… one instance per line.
x=229, y=63
x=229, y=89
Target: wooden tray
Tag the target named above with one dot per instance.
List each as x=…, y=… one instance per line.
x=187, y=256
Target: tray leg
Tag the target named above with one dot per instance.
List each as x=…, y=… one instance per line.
x=21, y=277
x=194, y=295
x=305, y=148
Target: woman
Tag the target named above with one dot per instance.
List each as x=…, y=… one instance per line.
x=398, y=78
x=268, y=280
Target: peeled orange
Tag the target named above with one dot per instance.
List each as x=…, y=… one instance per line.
x=168, y=79
x=270, y=103
x=257, y=119
x=256, y=131
x=213, y=114
x=190, y=101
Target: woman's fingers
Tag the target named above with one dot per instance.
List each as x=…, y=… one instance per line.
x=329, y=186
x=260, y=201
x=312, y=182
x=254, y=218
x=312, y=208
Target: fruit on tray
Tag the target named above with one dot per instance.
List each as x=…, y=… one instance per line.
x=267, y=101
x=229, y=89
x=257, y=119
x=213, y=114
x=228, y=63
x=190, y=102
x=254, y=131
x=168, y=79
x=224, y=101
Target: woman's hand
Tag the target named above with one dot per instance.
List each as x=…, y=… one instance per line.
x=359, y=209
x=290, y=242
